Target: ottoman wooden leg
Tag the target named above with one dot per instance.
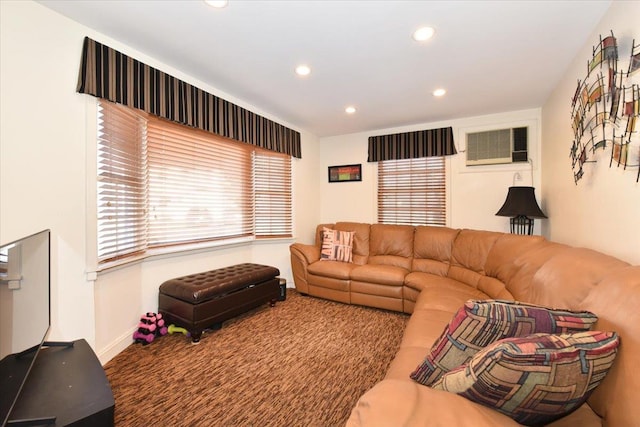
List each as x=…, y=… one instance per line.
x=195, y=336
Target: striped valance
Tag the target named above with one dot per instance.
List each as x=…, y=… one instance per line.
x=412, y=145
x=109, y=74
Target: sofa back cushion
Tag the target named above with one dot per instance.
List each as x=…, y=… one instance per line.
x=494, y=288
x=469, y=255
x=616, y=301
x=501, y=263
x=503, y=258
x=518, y=274
x=432, y=249
x=567, y=276
x=391, y=245
x=360, y=249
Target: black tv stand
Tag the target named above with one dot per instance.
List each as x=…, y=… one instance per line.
x=66, y=386
x=57, y=344
x=44, y=421
x=35, y=348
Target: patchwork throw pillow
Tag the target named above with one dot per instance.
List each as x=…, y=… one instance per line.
x=337, y=245
x=480, y=323
x=535, y=379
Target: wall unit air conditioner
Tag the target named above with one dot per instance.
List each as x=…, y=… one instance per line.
x=497, y=146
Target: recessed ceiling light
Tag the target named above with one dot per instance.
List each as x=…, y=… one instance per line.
x=424, y=33
x=303, y=70
x=219, y=4
x=439, y=92
x=350, y=109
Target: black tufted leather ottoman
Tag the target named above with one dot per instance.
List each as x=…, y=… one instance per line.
x=200, y=301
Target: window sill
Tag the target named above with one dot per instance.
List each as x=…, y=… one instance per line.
x=170, y=252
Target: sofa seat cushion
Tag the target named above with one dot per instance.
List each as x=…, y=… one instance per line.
x=419, y=280
x=394, y=402
x=447, y=295
x=381, y=274
x=333, y=269
x=424, y=328
x=535, y=379
x=405, y=360
x=583, y=417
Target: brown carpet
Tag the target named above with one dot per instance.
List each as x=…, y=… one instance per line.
x=304, y=362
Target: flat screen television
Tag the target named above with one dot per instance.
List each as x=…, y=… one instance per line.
x=24, y=312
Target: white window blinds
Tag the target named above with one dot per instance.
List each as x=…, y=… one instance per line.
x=122, y=182
x=199, y=186
x=161, y=184
x=272, y=177
x=412, y=191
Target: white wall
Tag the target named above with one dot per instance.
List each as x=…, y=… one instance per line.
x=46, y=180
x=42, y=153
x=475, y=193
x=602, y=211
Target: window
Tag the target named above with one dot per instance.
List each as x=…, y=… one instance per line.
x=122, y=192
x=272, y=190
x=412, y=191
x=162, y=184
x=199, y=188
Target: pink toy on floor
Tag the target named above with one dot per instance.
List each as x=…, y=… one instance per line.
x=151, y=325
x=142, y=337
x=162, y=329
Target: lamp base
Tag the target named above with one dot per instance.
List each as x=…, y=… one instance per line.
x=521, y=225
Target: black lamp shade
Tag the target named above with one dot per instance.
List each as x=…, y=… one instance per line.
x=522, y=207
x=521, y=201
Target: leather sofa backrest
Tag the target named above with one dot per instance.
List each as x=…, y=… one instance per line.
x=469, y=255
x=360, y=240
x=432, y=249
x=502, y=263
x=567, y=277
x=391, y=245
x=502, y=260
x=616, y=302
x=518, y=276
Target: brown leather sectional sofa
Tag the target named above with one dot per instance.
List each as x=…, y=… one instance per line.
x=431, y=271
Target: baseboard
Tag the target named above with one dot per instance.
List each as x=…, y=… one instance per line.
x=118, y=345
x=113, y=349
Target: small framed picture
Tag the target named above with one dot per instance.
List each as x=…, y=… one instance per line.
x=345, y=173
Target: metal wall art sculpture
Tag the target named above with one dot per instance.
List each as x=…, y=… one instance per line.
x=605, y=109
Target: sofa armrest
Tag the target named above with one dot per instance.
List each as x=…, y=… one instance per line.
x=308, y=253
x=301, y=256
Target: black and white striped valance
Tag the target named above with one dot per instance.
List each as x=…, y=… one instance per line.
x=412, y=145
x=109, y=74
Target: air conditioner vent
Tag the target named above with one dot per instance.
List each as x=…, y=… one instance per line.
x=497, y=146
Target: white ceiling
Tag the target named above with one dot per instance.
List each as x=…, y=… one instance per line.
x=491, y=56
